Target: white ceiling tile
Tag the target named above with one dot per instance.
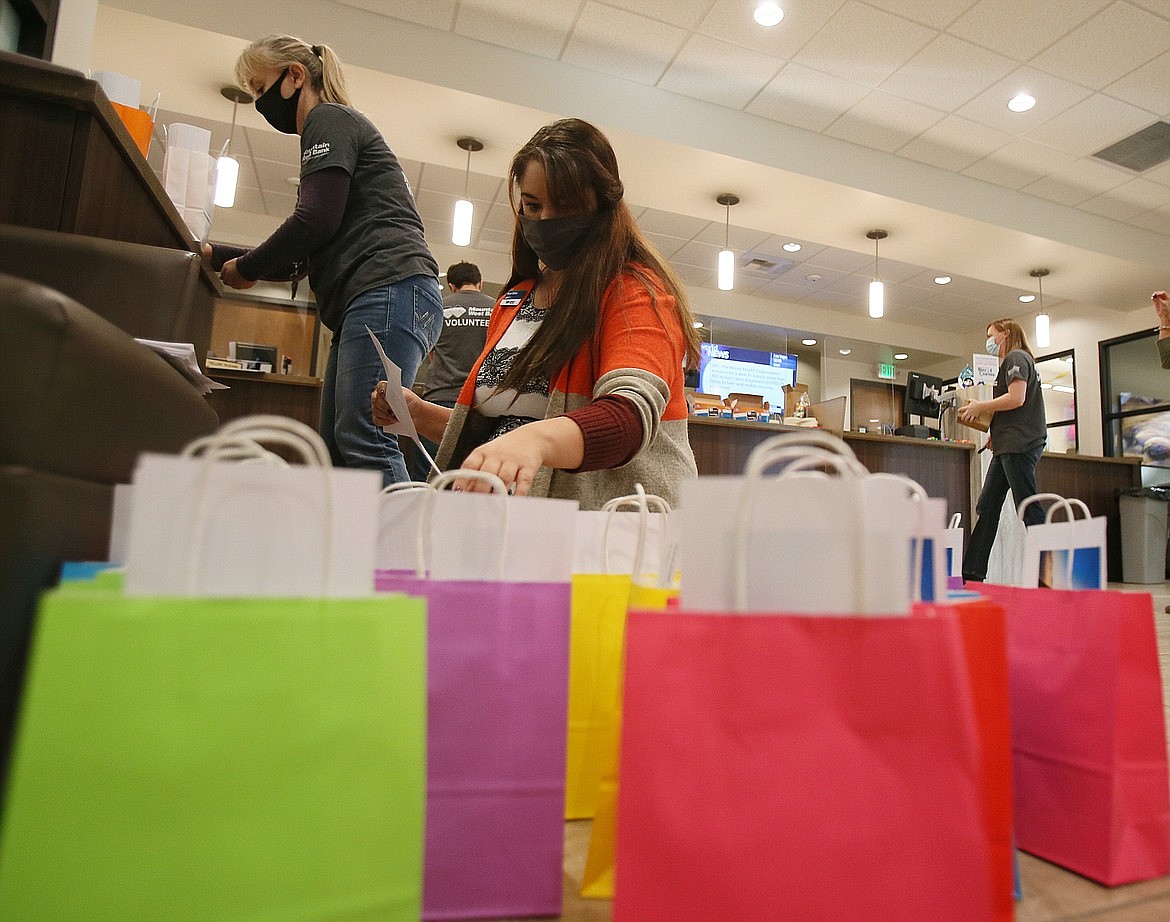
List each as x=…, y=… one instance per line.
x=841, y=261
x=1053, y=96
x=534, y=28
x=1156, y=220
x=1077, y=182
x=884, y=122
x=703, y=255
x=731, y=21
x=674, y=225
x=434, y=13
x=270, y=144
x=739, y=239
x=693, y=275
x=805, y=98
x=938, y=14
x=954, y=143
x=863, y=44
x=665, y=245
x=1021, y=30
x=1016, y=164
x=1107, y=47
x=683, y=13
x=1091, y=125
x=623, y=44
x=947, y=73
x=1146, y=87
x=1132, y=198
x=720, y=73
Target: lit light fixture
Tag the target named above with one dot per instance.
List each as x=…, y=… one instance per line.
x=1021, y=102
x=697, y=324
x=1026, y=299
x=1043, y=340
x=900, y=356
x=768, y=13
x=726, y=257
x=461, y=226
x=877, y=291
x=227, y=169
x=792, y=247
x=942, y=280
x=809, y=342
x=844, y=351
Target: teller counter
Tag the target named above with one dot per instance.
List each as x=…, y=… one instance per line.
x=950, y=470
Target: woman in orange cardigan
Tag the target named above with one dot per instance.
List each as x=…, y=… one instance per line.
x=579, y=391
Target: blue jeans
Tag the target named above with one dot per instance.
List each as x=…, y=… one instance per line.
x=1014, y=470
x=407, y=317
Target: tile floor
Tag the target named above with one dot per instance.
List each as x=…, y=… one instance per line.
x=1051, y=894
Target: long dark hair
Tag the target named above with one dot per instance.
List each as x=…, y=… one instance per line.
x=581, y=169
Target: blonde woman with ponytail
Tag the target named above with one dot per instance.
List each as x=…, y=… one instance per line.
x=1018, y=434
x=357, y=231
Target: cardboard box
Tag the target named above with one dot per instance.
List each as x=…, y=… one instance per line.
x=709, y=405
x=792, y=394
x=751, y=407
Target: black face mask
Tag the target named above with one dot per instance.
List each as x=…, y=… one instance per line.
x=279, y=112
x=556, y=240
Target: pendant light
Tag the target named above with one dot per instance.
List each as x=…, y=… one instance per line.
x=461, y=226
x=726, y=257
x=1043, y=340
x=227, y=168
x=877, y=291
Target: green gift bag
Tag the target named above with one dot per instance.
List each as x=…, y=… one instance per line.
x=218, y=758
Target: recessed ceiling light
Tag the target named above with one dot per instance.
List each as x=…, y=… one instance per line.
x=768, y=13
x=698, y=324
x=942, y=280
x=1027, y=299
x=812, y=278
x=901, y=356
x=792, y=247
x=809, y=342
x=1021, y=102
x=844, y=351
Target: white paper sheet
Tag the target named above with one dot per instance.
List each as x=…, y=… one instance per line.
x=405, y=424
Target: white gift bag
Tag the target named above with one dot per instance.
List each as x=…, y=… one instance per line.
x=953, y=545
x=800, y=542
x=1064, y=555
x=209, y=527
x=189, y=175
x=642, y=543
x=399, y=511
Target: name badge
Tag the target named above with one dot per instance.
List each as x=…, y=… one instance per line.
x=513, y=298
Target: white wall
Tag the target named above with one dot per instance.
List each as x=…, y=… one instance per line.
x=73, y=40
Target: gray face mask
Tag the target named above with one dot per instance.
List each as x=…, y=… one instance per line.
x=555, y=241
x=992, y=346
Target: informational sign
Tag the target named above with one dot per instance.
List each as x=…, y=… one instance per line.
x=985, y=367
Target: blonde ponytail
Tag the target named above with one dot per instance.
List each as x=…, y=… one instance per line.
x=279, y=51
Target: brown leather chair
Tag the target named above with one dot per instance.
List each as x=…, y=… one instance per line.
x=79, y=401
x=150, y=292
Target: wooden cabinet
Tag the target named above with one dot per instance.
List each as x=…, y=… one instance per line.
x=290, y=326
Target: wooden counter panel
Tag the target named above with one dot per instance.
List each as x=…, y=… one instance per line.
x=295, y=396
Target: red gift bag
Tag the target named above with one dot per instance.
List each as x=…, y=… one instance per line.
x=814, y=768
x=1088, y=731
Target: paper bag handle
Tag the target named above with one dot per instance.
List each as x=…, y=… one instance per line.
x=283, y=430
x=244, y=450
x=643, y=502
x=804, y=459
x=404, y=485
x=447, y=478
x=956, y=520
x=778, y=447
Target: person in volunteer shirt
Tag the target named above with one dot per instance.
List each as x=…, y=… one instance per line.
x=1018, y=434
x=579, y=391
x=357, y=229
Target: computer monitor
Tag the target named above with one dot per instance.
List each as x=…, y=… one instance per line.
x=253, y=352
x=726, y=370
x=923, y=393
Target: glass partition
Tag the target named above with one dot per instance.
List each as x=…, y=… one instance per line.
x=1058, y=381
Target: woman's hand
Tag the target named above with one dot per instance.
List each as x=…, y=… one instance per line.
x=231, y=277
x=971, y=410
x=380, y=406
x=1162, y=306
x=516, y=456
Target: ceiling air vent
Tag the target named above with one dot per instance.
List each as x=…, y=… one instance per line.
x=1141, y=150
x=765, y=265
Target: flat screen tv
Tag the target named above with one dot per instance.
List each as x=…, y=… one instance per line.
x=727, y=370
x=923, y=393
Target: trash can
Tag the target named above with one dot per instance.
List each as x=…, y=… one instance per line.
x=1143, y=534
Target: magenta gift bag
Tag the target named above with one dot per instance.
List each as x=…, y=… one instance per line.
x=497, y=694
x=498, y=597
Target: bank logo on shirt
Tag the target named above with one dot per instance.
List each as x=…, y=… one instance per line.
x=450, y=313
x=320, y=149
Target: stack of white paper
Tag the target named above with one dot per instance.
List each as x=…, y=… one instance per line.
x=181, y=357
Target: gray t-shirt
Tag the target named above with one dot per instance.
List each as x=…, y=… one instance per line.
x=381, y=238
x=465, y=322
x=1023, y=428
